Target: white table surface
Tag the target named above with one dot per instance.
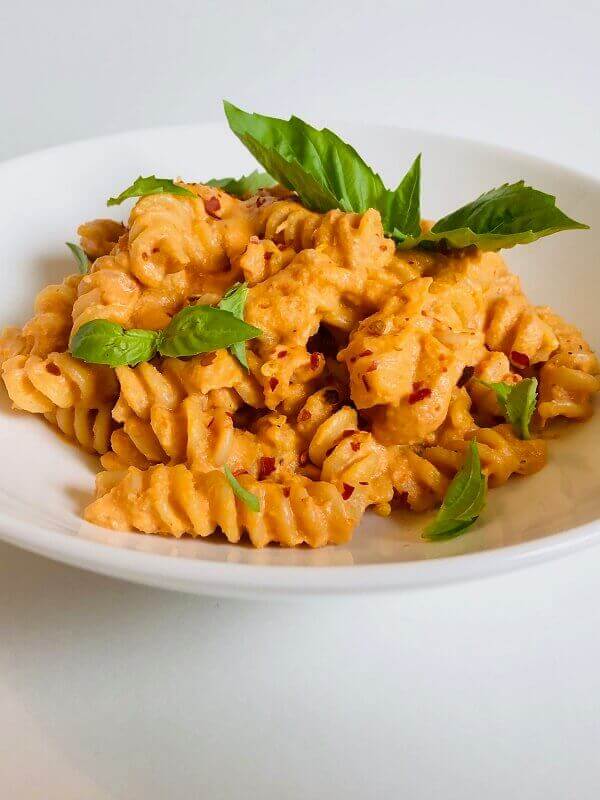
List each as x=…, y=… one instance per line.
x=110, y=691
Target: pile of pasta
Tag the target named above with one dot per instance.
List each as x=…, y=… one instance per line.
x=363, y=391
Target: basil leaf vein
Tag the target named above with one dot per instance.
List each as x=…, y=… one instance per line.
x=250, y=499
x=149, y=185
x=464, y=500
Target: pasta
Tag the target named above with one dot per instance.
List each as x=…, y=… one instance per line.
x=373, y=372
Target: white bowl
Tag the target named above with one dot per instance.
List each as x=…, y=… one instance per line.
x=45, y=483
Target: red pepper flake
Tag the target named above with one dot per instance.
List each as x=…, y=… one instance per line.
x=365, y=353
x=417, y=385
x=365, y=380
x=236, y=473
x=519, y=359
x=144, y=256
x=156, y=250
x=355, y=446
x=286, y=491
x=466, y=376
x=372, y=368
x=364, y=483
x=208, y=359
x=315, y=360
x=304, y=415
x=53, y=369
x=282, y=354
x=268, y=255
x=273, y=383
x=266, y=466
x=421, y=394
x=303, y=458
x=348, y=491
x=260, y=201
x=212, y=205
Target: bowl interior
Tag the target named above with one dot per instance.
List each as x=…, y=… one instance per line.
x=45, y=482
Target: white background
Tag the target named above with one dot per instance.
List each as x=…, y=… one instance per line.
x=490, y=689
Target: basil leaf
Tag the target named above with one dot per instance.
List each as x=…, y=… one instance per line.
x=325, y=171
x=518, y=402
x=202, y=329
x=102, y=342
x=504, y=217
x=251, y=500
x=464, y=500
x=150, y=185
x=244, y=186
x=234, y=301
x=402, y=216
x=83, y=262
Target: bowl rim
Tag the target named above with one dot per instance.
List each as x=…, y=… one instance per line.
x=229, y=579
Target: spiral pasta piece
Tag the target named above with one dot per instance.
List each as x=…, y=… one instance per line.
x=168, y=382
x=172, y=233
x=48, y=330
x=501, y=452
x=174, y=500
x=515, y=328
x=404, y=362
x=570, y=378
x=99, y=236
x=193, y=434
x=88, y=427
x=38, y=385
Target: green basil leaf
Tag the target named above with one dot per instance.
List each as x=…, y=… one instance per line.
x=83, y=262
x=325, y=171
x=518, y=402
x=250, y=499
x=150, y=185
x=234, y=301
x=504, y=217
x=202, y=329
x=102, y=342
x=402, y=216
x=246, y=185
x=464, y=500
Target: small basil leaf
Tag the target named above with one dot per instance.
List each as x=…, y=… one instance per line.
x=504, y=217
x=102, y=342
x=325, y=171
x=234, y=301
x=464, y=500
x=83, y=262
x=246, y=185
x=149, y=185
x=202, y=329
x=251, y=500
x=518, y=402
x=402, y=216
